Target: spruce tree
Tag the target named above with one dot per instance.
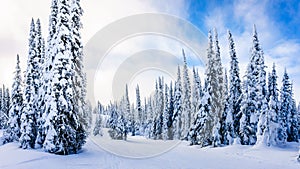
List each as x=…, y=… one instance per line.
x=139, y=110
x=186, y=100
x=3, y=110
x=293, y=129
x=149, y=121
x=28, y=116
x=227, y=127
x=79, y=77
x=128, y=113
x=210, y=78
x=254, y=104
x=40, y=53
x=196, y=93
x=177, y=123
x=262, y=94
x=270, y=119
x=248, y=108
x=98, y=128
x=285, y=109
x=171, y=112
x=165, y=127
x=159, y=109
x=198, y=134
x=217, y=91
x=5, y=106
x=235, y=89
x=12, y=133
x=66, y=133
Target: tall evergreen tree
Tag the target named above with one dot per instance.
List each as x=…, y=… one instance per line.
x=159, y=109
x=139, y=109
x=79, y=77
x=28, y=117
x=198, y=134
x=129, y=113
x=270, y=119
x=186, y=100
x=235, y=89
x=149, y=124
x=4, y=109
x=177, y=123
x=210, y=77
x=293, y=120
x=196, y=93
x=254, y=102
x=171, y=112
x=227, y=123
x=47, y=73
x=217, y=91
x=248, y=108
x=165, y=127
x=66, y=134
x=285, y=109
x=12, y=133
x=39, y=103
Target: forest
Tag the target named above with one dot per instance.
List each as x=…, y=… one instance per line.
x=46, y=107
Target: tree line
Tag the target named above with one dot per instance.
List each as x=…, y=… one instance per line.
x=220, y=111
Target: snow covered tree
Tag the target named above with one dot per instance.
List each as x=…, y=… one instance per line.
x=28, y=116
x=129, y=115
x=227, y=129
x=117, y=123
x=293, y=124
x=45, y=97
x=66, y=133
x=198, y=134
x=285, y=109
x=5, y=106
x=254, y=103
x=186, y=99
x=3, y=110
x=98, y=128
x=171, y=112
x=235, y=89
x=139, y=110
x=40, y=53
x=165, y=127
x=159, y=109
x=248, y=108
x=149, y=122
x=79, y=77
x=12, y=133
x=196, y=93
x=98, y=111
x=214, y=73
x=177, y=107
x=216, y=90
x=270, y=119
x=262, y=95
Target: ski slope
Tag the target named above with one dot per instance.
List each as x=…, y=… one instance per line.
x=181, y=156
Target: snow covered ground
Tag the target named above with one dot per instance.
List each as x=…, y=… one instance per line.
x=179, y=157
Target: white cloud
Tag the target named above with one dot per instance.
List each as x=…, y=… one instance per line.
x=16, y=16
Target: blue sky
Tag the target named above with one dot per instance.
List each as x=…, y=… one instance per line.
x=278, y=28
x=277, y=23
